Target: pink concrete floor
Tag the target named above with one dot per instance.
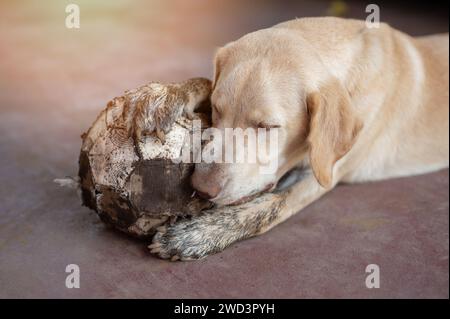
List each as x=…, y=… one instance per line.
x=54, y=81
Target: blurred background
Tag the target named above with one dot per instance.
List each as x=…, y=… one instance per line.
x=53, y=83
x=54, y=80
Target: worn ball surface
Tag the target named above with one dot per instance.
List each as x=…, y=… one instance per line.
x=135, y=193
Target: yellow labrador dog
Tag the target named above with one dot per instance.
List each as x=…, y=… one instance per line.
x=351, y=103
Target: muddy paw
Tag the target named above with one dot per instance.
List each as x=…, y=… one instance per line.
x=181, y=241
x=216, y=228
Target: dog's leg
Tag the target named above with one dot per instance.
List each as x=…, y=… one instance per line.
x=218, y=228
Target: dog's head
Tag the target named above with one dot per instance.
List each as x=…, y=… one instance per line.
x=266, y=81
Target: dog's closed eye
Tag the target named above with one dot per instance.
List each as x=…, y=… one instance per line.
x=267, y=126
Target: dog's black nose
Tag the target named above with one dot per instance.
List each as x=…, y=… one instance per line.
x=206, y=186
x=204, y=195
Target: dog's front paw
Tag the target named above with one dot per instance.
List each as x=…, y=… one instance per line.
x=185, y=240
x=216, y=229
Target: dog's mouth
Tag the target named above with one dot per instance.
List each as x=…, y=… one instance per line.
x=250, y=197
x=286, y=181
x=268, y=188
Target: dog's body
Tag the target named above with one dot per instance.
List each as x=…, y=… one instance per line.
x=353, y=104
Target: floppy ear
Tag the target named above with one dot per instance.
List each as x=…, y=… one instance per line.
x=333, y=129
x=219, y=61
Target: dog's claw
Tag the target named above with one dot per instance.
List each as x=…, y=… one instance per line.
x=155, y=250
x=161, y=229
x=155, y=245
